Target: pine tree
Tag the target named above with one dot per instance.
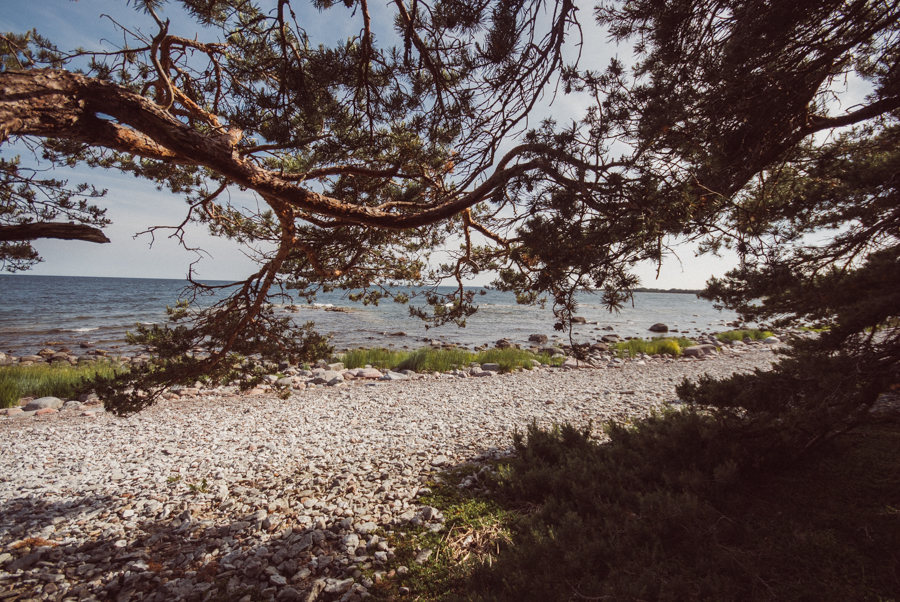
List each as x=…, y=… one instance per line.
x=739, y=106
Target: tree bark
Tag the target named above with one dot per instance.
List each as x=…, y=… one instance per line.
x=23, y=232
x=54, y=103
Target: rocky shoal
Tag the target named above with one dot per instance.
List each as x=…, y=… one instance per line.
x=212, y=493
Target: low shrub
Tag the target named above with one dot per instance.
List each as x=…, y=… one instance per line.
x=60, y=380
x=670, y=509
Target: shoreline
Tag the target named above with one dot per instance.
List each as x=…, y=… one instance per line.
x=232, y=494
x=87, y=352
x=60, y=312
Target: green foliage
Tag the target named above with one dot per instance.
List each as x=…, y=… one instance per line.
x=671, y=509
x=657, y=345
x=174, y=359
x=26, y=198
x=62, y=381
x=740, y=335
x=809, y=397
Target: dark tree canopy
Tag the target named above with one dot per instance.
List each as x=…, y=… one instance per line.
x=371, y=153
x=739, y=103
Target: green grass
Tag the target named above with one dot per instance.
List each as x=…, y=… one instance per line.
x=442, y=360
x=474, y=529
x=43, y=381
x=657, y=345
x=740, y=335
x=670, y=509
x=377, y=358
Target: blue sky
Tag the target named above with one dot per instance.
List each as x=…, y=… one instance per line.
x=135, y=205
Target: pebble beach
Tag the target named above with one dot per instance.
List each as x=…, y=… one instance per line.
x=221, y=494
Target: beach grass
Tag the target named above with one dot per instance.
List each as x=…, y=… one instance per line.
x=740, y=335
x=657, y=345
x=442, y=360
x=48, y=380
x=377, y=358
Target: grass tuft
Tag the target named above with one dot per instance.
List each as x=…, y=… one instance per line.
x=658, y=345
x=377, y=358
x=443, y=360
x=740, y=335
x=48, y=381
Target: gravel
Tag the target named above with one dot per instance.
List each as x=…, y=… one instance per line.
x=221, y=494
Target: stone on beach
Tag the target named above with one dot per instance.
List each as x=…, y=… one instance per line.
x=367, y=373
x=43, y=403
x=699, y=350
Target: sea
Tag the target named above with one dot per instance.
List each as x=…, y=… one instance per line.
x=46, y=311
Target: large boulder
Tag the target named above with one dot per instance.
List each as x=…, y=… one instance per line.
x=43, y=403
x=367, y=373
x=699, y=350
x=325, y=377
x=610, y=338
x=659, y=327
x=538, y=338
x=390, y=375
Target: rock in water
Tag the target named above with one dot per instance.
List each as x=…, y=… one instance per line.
x=659, y=327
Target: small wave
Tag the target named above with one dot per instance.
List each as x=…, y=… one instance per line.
x=75, y=329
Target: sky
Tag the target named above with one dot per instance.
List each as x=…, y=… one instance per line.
x=135, y=205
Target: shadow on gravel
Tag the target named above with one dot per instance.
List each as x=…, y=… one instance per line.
x=111, y=547
x=194, y=555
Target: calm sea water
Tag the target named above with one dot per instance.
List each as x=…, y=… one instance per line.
x=36, y=311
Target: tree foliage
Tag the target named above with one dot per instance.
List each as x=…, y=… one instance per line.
x=741, y=106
